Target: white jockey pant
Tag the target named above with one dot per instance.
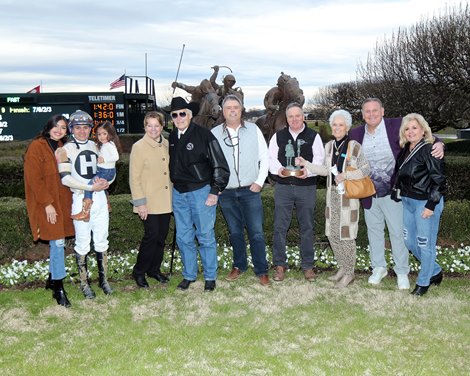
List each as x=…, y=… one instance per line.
x=98, y=224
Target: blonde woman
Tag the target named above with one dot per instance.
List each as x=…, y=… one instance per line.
x=149, y=179
x=421, y=182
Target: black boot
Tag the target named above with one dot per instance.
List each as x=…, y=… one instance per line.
x=82, y=265
x=49, y=284
x=420, y=290
x=102, y=260
x=162, y=278
x=436, y=279
x=60, y=294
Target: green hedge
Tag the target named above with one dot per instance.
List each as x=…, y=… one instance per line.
x=126, y=229
x=459, y=147
x=11, y=173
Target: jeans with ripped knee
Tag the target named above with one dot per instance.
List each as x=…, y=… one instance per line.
x=420, y=236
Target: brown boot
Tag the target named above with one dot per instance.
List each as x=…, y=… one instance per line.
x=279, y=273
x=84, y=215
x=309, y=275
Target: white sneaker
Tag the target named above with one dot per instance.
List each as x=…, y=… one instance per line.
x=378, y=274
x=403, y=282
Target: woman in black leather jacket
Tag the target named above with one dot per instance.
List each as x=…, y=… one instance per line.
x=420, y=181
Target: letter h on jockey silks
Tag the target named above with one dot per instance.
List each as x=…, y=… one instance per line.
x=85, y=164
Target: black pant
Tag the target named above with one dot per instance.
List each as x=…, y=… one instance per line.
x=151, y=248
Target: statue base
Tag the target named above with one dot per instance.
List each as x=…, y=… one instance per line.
x=291, y=173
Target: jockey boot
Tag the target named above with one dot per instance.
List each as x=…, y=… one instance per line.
x=102, y=260
x=60, y=294
x=84, y=215
x=82, y=265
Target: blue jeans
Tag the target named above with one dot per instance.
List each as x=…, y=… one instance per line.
x=421, y=235
x=193, y=219
x=56, y=259
x=243, y=208
x=103, y=173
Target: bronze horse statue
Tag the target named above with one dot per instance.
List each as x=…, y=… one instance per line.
x=276, y=101
x=204, y=94
x=209, y=111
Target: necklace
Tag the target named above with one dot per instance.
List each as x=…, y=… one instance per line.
x=338, y=148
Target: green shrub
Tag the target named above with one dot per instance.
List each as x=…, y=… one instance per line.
x=459, y=147
x=455, y=225
x=325, y=132
x=15, y=234
x=11, y=168
x=126, y=230
x=458, y=182
x=11, y=173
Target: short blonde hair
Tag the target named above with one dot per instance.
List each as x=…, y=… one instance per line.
x=154, y=115
x=428, y=137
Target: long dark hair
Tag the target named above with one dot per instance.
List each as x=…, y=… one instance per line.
x=46, y=130
x=52, y=123
x=112, y=135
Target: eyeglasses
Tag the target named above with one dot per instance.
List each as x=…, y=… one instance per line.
x=231, y=141
x=174, y=115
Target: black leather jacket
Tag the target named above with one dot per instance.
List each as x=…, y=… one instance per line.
x=422, y=176
x=197, y=160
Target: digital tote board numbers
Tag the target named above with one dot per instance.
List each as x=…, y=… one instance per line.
x=22, y=116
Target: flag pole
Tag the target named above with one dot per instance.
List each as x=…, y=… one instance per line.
x=178, y=71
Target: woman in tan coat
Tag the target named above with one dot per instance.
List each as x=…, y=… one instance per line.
x=149, y=179
x=48, y=202
x=341, y=213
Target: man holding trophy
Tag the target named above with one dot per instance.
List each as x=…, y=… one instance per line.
x=294, y=187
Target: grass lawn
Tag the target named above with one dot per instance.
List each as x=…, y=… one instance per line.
x=291, y=328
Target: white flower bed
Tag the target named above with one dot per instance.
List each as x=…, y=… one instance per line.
x=454, y=260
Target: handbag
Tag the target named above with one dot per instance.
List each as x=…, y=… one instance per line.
x=359, y=188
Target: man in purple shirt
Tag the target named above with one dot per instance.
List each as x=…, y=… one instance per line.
x=380, y=142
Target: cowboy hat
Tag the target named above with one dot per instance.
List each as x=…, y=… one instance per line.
x=178, y=103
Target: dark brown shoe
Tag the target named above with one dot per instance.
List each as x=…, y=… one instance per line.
x=279, y=273
x=264, y=280
x=233, y=275
x=309, y=275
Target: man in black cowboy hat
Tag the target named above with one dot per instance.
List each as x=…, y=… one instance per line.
x=199, y=172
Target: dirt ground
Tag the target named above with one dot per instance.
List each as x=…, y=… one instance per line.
x=40, y=251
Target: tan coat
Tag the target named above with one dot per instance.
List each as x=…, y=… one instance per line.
x=149, y=175
x=43, y=187
x=349, y=215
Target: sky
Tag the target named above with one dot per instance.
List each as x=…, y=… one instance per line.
x=70, y=45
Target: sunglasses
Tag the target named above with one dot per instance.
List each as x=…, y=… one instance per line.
x=174, y=115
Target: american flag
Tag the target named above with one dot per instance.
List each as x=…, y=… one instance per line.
x=121, y=81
